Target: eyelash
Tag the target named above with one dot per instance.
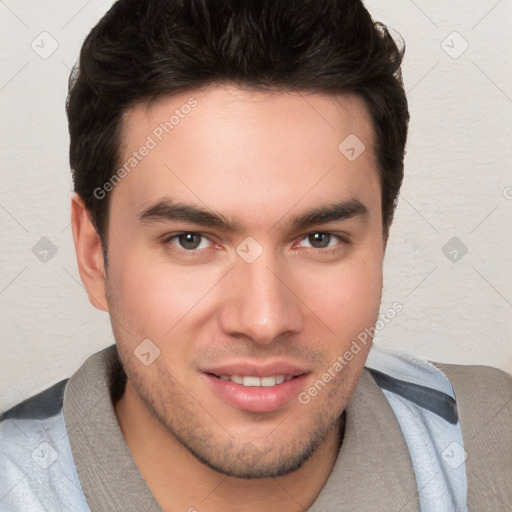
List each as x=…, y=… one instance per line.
x=198, y=252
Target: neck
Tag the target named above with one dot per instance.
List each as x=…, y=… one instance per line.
x=179, y=481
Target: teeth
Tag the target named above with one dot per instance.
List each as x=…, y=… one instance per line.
x=252, y=381
x=267, y=381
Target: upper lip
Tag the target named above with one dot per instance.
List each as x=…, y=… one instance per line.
x=256, y=369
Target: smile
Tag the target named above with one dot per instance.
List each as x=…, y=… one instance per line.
x=254, y=393
x=254, y=381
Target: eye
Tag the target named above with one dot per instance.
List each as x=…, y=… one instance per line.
x=322, y=240
x=188, y=241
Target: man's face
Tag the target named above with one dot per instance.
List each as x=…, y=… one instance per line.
x=271, y=298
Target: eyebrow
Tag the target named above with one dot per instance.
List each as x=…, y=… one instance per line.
x=168, y=209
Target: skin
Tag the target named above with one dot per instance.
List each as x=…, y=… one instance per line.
x=259, y=158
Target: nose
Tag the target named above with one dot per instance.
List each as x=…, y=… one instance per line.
x=260, y=303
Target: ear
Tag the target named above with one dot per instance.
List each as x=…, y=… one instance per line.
x=89, y=253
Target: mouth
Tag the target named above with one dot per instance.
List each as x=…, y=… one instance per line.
x=255, y=389
x=255, y=381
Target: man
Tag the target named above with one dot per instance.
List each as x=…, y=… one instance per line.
x=236, y=167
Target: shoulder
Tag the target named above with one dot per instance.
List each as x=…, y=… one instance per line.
x=36, y=463
x=466, y=374
x=482, y=393
x=45, y=404
x=484, y=403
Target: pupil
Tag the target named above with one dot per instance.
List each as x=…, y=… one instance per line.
x=187, y=241
x=322, y=238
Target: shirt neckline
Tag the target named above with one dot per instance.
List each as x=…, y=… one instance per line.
x=373, y=467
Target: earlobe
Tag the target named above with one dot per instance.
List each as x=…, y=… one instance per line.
x=89, y=253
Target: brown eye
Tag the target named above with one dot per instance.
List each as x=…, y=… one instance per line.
x=189, y=241
x=323, y=243
x=319, y=240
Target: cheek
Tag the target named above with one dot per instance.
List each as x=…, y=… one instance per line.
x=345, y=298
x=153, y=296
x=360, y=292
x=141, y=292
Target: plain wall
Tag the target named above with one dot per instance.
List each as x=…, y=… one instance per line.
x=457, y=307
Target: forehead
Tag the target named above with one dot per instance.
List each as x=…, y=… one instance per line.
x=236, y=149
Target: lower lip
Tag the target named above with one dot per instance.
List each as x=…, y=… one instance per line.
x=257, y=398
